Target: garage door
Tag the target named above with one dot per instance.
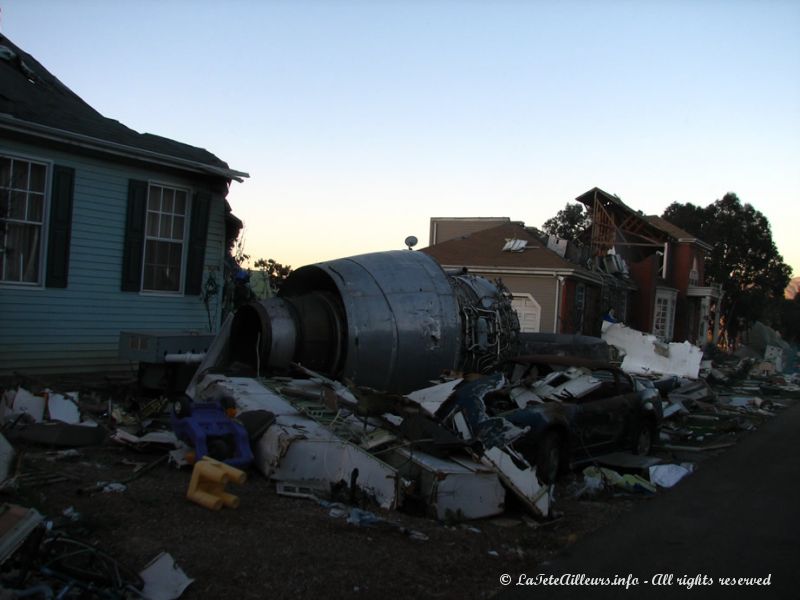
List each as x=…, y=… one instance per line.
x=529, y=312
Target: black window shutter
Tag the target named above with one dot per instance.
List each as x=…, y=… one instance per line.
x=134, y=236
x=58, y=237
x=198, y=229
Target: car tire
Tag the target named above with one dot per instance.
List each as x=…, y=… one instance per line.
x=643, y=440
x=549, y=458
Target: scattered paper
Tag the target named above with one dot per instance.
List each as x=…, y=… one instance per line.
x=668, y=475
x=164, y=579
x=154, y=437
x=115, y=488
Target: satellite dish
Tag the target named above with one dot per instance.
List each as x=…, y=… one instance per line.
x=411, y=241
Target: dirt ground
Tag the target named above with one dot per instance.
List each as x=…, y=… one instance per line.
x=280, y=547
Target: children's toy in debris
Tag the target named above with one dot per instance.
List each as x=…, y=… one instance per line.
x=209, y=478
x=211, y=432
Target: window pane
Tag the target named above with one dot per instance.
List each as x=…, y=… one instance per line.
x=167, y=202
x=177, y=228
x=35, y=207
x=38, y=173
x=180, y=202
x=21, y=253
x=19, y=175
x=5, y=172
x=165, y=231
x=17, y=209
x=4, y=203
x=149, y=282
x=162, y=269
x=152, y=223
x=154, y=198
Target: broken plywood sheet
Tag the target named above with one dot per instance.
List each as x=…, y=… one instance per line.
x=458, y=487
x=646, y=354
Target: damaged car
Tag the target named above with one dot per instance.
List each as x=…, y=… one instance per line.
x=575, y=410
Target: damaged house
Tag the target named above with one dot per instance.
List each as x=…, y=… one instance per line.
x=644, y=267
x=102, y=229
x=666, y=263
x=553, y=291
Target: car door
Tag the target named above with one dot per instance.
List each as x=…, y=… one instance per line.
x=601, y=417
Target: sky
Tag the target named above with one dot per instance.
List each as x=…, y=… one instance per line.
x=358, y=121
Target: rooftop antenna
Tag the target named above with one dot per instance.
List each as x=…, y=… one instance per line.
x=411, y=241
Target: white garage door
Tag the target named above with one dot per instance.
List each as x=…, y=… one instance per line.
x=529, y=312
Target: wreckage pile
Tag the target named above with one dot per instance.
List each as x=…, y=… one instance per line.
x=482, y=421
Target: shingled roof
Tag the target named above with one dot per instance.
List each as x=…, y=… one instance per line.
x=673, y=231
x=485, y=249
x=34, y=102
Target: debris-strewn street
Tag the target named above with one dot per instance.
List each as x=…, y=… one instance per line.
x=127, y=498
x=729, y=531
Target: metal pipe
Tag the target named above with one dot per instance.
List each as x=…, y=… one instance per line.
x=185, y=357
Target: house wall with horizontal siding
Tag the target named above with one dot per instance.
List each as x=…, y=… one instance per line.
x=77, y=329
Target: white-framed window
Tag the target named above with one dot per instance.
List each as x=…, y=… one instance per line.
x=165, y=238
x=529, y=312
x=23, y=202
x=694, y=274
x=664, y=317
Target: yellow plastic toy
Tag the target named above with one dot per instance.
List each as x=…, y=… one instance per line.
x=209, y=478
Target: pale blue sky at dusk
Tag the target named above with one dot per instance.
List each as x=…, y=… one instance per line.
x=358, y=121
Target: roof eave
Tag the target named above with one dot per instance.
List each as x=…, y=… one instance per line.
x=550, y=271
x=84, y=141
x=701, y=243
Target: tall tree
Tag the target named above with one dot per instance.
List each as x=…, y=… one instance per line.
x=569, y=223
x=744, y=259
x=276, y=272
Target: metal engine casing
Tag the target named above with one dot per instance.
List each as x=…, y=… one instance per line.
x=387, y=320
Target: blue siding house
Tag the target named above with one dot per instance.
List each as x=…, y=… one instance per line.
x=102, y=229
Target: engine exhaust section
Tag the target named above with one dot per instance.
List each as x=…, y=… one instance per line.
x=387, y=320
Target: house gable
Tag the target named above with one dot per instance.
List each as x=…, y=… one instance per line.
x=92, y=281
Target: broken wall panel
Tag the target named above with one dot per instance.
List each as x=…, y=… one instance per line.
x=454, y=488
x=520, y=478
x=645, y=354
